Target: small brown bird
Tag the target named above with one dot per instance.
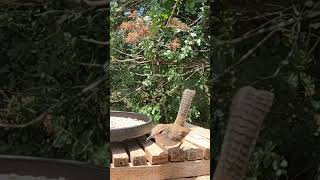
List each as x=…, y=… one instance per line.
x=168, y=134
x=173, y=134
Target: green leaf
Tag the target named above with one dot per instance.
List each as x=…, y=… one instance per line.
x=165, y=16
x=315, y=104
x=293, y=80
x=61, y=139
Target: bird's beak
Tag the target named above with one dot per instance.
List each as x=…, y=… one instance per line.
x=150, y=137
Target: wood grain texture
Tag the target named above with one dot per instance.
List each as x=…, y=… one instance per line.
x=175, y=153
x=160, y=168
x=136, y=154
x=119, y=155
x=201, y=142
x=191, y=152
x=155, y=154
x=248, y=109
x=194, y=178
x=199, y=130
x=162, y=171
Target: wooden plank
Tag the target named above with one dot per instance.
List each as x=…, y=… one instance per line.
x=162, y=171
x=191, y=151
x=195, y=178
x=136, y=154
x=199, y=130
x=155, y=154
x=201, y=142
x=119, y=155
x=175, y=153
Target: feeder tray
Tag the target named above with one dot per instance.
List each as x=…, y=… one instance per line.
x=121, y=134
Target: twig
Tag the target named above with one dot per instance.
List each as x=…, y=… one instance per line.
x=289, y=54
x=96, y=3
x=301, y=172
x=277, y=71
x=51, y=12
x=121, y=52
x=314, y=46
x=194, y=22
x=95, y=41
x=245, y=56
x=4, y=94
x=160, y=62
x=261, y=31
x=174, y=88
x=268, y=14
x=90, y=65
x=136, y=90
x=25, y=3
x=133, y=60
x=261, y=26
x=93, y=85
x=172, y=11
x=192, y=72
x=315, y=6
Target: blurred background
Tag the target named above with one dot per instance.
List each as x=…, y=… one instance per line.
x=272, y=45
x=52, y=80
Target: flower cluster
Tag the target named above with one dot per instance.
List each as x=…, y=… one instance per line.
x=137, y=28
x=176, y=23
x=174, y=44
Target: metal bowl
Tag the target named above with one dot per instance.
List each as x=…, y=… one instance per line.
x=51, y=168
x=121, y=134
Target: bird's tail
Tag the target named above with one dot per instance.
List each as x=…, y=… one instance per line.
x=187, y=97
x=248, y=109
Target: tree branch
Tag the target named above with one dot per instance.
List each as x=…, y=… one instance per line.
x=172, y=11
x=245, y=56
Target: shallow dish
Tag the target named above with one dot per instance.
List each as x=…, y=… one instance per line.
x=121, y=134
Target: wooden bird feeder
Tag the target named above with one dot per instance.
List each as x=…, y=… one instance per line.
x=136, y=159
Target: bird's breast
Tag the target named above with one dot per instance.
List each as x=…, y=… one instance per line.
x=165, y=140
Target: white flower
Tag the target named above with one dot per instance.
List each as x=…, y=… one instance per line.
x=188, y=48
x=193, y=34
x=182, y=55
x=198, y=42
x=147, y=18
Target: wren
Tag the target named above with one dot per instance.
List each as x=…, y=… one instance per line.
x=173, y=134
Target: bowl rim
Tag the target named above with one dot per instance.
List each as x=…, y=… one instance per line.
x=149, y=120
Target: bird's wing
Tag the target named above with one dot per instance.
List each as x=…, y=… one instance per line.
x=177, y=134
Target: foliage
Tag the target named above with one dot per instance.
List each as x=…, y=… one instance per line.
x=158, y=49
x=50, y=83
x=274, y=46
